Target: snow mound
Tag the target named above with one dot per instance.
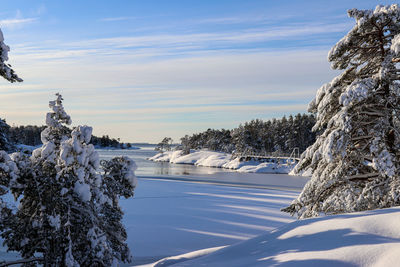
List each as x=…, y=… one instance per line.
x=184, y=257
x=370, y=238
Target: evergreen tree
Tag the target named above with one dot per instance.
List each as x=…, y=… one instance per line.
x=185, y=145
x=355, y=161
x=68, y=211
x=5, y=143
x=164, y=145
x=118, y=181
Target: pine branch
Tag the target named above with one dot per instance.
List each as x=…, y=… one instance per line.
x=361, y=137
x=9, y=263
x=372, y=113
x=363, y=176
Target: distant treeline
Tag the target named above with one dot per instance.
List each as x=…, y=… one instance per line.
x=257, y=136
x=30, y=135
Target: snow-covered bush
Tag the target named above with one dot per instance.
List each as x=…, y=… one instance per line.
x=68, y=211
x=356, y=161
x=5, y=143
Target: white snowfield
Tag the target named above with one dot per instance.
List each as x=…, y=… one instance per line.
x=221, y=160
x=370, y=238
x=167, y=218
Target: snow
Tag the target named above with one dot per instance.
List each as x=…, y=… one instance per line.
x=222, y=160
x=184, y=257
x=83, y=191
x=357, y=91
x=173, y=223
x=370, y=238
x=167, y=218
x=54, y=221
x=395, y=47
x=7, y=166
x=4, y=48
x=129, y=171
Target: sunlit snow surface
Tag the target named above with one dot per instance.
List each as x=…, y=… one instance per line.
x=370, y=238
x=168, y=218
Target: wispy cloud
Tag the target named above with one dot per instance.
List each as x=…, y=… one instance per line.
x=142, y=47
x=117, y=19
x=232, y=20
x=16, y=22
x=253, y=19
x=243, y=36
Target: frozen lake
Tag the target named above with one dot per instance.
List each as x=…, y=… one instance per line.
x=171, y=215
x=150, y=168
x=167, y=218
x=185, y=172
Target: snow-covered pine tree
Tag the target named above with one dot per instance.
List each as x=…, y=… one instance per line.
x=64, y=199
x=355, y=160
x=164, y=145
x=38, y=229
x=5, y=143
x=5, y=69
x=118, y=181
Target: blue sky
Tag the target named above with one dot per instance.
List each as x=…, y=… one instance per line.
x=142, y=70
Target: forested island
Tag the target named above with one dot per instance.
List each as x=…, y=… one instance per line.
x=29, y=135
x=279, y=136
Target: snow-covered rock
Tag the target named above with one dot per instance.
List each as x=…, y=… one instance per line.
x=221, y=160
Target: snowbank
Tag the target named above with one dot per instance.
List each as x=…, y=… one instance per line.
x=221, y=160
x=370, y=238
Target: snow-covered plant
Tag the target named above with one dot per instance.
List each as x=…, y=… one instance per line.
x=8, y=173
x=68, y=211
x=355, y=161
x=5, y=143
x=164, y=145
x=118, y=181
x=5, y=69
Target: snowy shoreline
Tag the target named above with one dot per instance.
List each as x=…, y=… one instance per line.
x=214, y=159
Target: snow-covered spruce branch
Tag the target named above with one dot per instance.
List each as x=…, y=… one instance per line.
x=24, y=261
x=364, y=176
x=5, y=69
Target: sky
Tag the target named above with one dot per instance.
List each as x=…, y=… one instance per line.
x=143, y=70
